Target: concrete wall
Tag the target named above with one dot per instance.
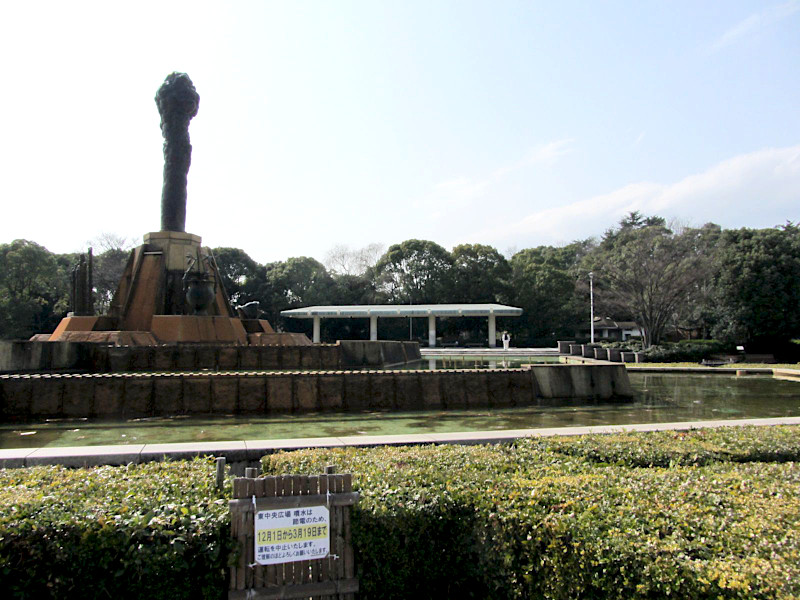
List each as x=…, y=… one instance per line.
x=25, y=356
x=563, y=346
x=134, y=395
x=365, y=353
x=40, y=356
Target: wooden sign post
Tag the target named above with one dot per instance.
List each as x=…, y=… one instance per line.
x=293, y=533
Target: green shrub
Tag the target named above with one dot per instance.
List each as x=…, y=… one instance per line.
x=687, y=351
x=576, y=518
x=158, y=530
x=695, y=447
x=698, y=514
x=698, y=342
x=630, y=345
x=725, y=530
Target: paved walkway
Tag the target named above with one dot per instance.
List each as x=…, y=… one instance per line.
x=253, y=450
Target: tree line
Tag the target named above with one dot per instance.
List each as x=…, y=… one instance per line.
x=737, y=285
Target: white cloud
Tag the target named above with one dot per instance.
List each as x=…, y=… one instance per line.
x=549, y=153
x=544, y=154
x=457, y=192
x=754, y=23
x=759, y=189
x=463, y=187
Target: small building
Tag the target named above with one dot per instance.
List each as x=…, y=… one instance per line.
x=607, y=329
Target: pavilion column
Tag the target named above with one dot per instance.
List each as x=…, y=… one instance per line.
x=492, y=332
x=316, y=335
x=373, y=327
x=431, y=331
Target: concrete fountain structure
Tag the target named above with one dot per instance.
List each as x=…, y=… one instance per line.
x=172, y=344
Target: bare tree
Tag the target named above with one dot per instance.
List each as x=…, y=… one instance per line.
x=647, y=271
x=110, y=241
x=342, y=260
x=111, y=254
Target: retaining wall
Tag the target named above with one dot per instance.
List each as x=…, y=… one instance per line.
x=25, y=356
x=136, y=395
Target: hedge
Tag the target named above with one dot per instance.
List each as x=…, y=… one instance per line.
x=687, y=351
x=158, y=530
x=577, y=518
x=700, y=514
x=692, y=351
x=670, y=448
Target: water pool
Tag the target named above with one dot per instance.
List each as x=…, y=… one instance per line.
x=659, y=398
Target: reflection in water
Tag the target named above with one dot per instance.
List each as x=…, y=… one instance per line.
x=659, y=398
x=474, y=362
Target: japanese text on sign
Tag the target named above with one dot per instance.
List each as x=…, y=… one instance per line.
x=292, y=534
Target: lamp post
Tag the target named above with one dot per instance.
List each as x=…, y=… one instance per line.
x=591, y=304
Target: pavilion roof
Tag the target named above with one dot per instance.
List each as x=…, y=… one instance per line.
x=403, y=310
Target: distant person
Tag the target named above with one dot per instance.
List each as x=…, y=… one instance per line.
x=506, y=340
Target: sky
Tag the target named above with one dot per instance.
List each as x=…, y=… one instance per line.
x=509, y=123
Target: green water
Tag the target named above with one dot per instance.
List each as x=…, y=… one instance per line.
x=659, y=398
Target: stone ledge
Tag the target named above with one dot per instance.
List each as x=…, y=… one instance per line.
x=87, y=456
x=252, y=450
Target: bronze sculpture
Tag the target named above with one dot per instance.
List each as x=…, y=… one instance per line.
x=177, y=102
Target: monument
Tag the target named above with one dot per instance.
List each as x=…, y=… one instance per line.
x=171, y=290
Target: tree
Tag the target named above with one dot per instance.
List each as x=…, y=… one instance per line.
x=111, y=241
x=33, y=289
x=305, y=281
x=107, y=270
x=352, y=289
x=480, y=274
x=758, y=285
x=699, y=311
x=241, y=275
x=633, y=220
x=342, y=260
x=299, y=281
x=414, y=272
x=646, y=271
x=111, y=253
x=544, y=287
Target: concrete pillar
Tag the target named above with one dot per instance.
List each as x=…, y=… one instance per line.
x=373, y=327
x=431, y=331
x=316, y=336
x=492, y=332
x=563, y=346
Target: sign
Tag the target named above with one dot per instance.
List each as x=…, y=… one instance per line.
x=292, y=534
